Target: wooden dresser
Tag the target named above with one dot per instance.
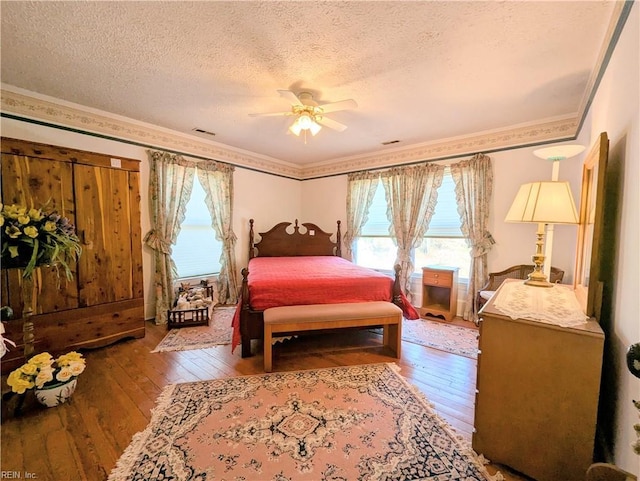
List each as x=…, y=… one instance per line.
x=439, y=292
x=537, y=395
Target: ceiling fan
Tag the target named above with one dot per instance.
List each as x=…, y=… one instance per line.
x=309, y=115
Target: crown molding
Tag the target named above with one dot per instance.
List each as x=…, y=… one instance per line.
x=29, y=105
x=484, y=142
x=88, y=120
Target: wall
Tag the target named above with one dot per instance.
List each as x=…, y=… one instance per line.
x=324, y=201
x=266, y=198
x=615, y=110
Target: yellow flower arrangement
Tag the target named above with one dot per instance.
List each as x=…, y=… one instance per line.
x=32, y=238
x=42, y=370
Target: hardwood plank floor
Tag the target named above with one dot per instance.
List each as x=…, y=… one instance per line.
x=83, y=439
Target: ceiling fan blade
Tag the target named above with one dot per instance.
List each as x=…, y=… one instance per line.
x=341, y=105
x=332, y=124
x=271, y=114
x=290, y=96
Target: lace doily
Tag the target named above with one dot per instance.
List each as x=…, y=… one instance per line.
x=554, y=305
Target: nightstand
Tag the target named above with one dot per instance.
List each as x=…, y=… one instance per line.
x=439, y=292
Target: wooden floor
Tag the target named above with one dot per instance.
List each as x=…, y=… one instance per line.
x=83, y=439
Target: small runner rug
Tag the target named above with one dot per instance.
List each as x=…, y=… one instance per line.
x=359, y=422
x=200, y=337
x=444, y=337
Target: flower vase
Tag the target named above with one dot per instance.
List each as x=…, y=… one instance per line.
x=28, y=335
x=57, y=393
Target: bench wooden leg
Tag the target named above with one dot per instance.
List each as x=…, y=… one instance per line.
x=392, y=337
x=268, y=349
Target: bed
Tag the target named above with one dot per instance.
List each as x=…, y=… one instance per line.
x=294, y=266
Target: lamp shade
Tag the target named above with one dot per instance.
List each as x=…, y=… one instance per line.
x=295, y=128
x=315, y=128
x=544, y=203
x=305, y=120
x=559, y=152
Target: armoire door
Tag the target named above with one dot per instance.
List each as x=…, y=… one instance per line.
x=39, y=182
x=106, y=231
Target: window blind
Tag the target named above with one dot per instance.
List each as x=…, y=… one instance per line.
x=444, y=223
x=197, y=251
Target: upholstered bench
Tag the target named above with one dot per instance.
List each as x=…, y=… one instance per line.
x=290, y=319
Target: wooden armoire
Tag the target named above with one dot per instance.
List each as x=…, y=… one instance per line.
x=100, y=194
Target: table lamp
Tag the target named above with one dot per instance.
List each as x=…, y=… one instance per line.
x=542, y=203
x=555, y=154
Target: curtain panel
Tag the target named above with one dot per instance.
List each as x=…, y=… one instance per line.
x=170, y=185
x=217, y=181
x=474, y=188
x=360, y=192
x=411, y=194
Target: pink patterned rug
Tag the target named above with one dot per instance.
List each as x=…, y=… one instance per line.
x=359, y=422
x=445, y=337
x=200, y=337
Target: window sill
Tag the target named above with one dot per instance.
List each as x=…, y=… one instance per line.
x=208, y=277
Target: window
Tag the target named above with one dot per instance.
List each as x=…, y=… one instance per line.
x=443, y=243
x=197, y=251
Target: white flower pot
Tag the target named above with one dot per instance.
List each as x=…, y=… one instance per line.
x=55, y=394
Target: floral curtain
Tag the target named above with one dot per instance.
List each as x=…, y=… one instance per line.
x=361, y=189
x=411, y=194
x=170, y=184
x=217, y=181
x=474, y=186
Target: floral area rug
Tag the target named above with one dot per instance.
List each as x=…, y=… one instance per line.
x=445, y=337
x=200, y=337
x=359, y=422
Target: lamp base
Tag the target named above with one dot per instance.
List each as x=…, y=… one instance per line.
x=538, y=283
x=537, y=277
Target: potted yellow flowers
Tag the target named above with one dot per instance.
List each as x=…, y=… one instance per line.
x=53, y=380
x=32, y=238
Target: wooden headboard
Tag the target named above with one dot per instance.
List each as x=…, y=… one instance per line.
x=277, y=242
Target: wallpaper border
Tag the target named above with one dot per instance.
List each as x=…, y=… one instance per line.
x=92, y=122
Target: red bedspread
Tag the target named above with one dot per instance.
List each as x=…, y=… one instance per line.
x=286, y=281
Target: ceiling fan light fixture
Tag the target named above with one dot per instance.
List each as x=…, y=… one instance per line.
x=309, y=116
x=305, y=121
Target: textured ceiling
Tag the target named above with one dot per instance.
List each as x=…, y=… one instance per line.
x=419, y=71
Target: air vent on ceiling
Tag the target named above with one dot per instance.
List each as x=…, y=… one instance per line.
x=202, y=131
x=390, y=142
